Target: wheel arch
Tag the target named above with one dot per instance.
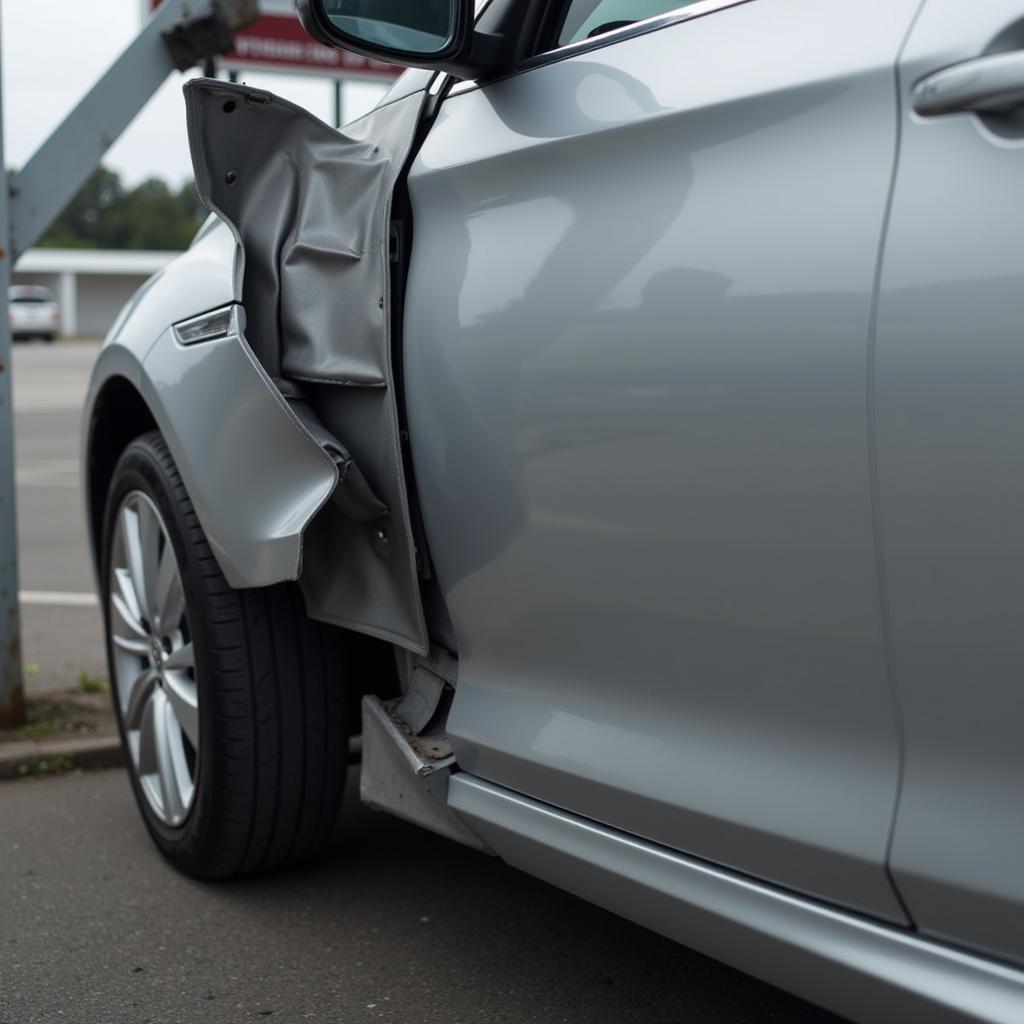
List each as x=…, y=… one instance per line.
x=118, y=415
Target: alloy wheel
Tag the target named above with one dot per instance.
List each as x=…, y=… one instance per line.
x=153, y=659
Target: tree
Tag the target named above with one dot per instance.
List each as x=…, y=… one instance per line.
x=104, y=215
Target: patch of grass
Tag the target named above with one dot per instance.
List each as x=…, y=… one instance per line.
x=59, y=765
x=61, y=717
x=89, y=683
x=38, y=729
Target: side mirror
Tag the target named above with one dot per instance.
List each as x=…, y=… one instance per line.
x=435, y=34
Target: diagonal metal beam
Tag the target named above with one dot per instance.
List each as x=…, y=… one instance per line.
x=37, y=194
x=61, y=165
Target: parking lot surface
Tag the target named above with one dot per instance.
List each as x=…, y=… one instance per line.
x=60, y=623
x=394, y=925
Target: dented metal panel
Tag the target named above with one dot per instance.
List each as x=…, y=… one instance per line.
x=226, y=425
x=309, y=207
x=222, y=418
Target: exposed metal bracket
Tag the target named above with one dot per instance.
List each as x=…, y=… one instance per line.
x=407, y=775
x=427, y=685
x=199, y=39
x=421, y=700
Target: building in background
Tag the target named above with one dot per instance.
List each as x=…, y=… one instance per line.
x=91, y=285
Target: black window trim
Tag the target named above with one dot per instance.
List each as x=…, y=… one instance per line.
x=700, y=9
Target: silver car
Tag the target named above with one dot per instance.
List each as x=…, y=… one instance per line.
x=621, y=428
x=32, y=312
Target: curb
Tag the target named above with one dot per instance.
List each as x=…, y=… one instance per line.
x=27, y=757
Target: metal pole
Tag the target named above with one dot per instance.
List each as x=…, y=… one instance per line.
x=339, y=109
x=31, y=199
x=12, y=692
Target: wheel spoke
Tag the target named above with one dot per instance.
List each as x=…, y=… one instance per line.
x=137, y=700
x=170, y=595
x=147, y=736
x=181, y=693
x=132, y=531
x=133, y=645
x=183, y=658
x=126, y=603
x=150, y=535
x=168, y=770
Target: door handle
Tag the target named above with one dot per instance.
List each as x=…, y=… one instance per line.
x=993, y=83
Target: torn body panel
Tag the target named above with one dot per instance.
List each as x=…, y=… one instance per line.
x=309, y=208
x=220, y=415
x=226, y=424
x=407, y=775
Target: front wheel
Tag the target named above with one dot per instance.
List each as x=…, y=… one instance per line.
x=231, y=703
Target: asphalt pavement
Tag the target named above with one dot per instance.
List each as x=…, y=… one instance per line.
x=394, y=925
x=61, y=634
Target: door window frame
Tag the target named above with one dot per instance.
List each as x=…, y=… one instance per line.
x=639, y=28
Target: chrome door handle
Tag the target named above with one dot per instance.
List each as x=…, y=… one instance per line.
x=994, y=83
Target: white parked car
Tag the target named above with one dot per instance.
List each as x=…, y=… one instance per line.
x=32, y=312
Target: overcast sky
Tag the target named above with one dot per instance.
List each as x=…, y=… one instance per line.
x=53, y=50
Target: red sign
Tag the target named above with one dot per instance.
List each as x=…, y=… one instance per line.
x=278, y=42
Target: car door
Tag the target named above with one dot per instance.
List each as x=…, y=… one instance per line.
x=635, y=361
x=950, y=408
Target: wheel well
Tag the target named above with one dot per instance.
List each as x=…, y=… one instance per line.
x=119, y=415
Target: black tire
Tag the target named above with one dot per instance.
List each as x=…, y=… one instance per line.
x=271, y=686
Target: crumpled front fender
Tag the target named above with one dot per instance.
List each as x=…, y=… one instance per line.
x=309, y=209
x=222, y=418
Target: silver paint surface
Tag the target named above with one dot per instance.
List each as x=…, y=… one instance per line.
x=950, y=428
x=260, y=474
x=310, y=206
x=636, y=348
x=862, y=970
x=639, y=368
x=254, y=478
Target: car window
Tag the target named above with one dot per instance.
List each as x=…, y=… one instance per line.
x=586, y=18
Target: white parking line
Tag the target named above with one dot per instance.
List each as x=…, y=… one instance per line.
x=47, y=473
x=65, y=598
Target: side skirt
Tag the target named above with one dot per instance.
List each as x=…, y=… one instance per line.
x=851, y=965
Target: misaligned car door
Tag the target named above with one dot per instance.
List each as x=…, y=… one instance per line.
x=635, y=364
x=950, y=427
